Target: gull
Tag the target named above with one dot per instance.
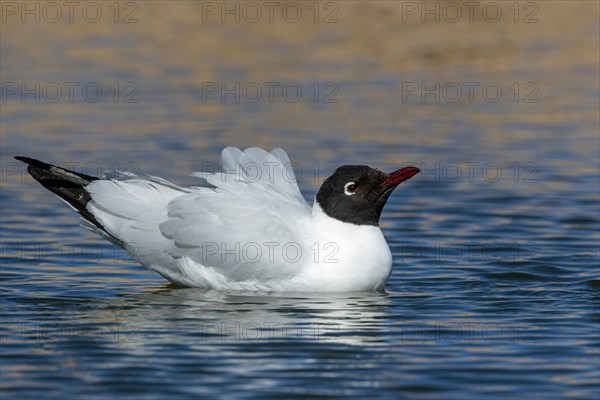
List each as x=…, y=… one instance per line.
x=246, y=227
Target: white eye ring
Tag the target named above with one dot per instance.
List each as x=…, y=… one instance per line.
x=350, y=188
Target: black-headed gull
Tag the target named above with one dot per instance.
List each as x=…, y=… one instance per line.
x=244, y=228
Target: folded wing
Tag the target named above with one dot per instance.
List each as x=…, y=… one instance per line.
x=243, y=224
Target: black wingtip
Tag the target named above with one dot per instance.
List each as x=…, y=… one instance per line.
x=33, y=161
x=53, y=169
x=66, y=184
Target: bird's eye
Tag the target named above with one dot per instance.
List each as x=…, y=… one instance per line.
x=350, y=188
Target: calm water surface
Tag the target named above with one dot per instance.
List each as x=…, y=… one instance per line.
x=495, y=284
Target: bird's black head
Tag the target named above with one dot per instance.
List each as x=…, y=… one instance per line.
x=357, y=193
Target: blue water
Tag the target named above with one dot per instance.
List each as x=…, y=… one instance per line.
x=495, y=289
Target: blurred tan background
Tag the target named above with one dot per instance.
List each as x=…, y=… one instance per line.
x=370, y=51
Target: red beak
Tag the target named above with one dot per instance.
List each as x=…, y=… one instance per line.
x=403, y=174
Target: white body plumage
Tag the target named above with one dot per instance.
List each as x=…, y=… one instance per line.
x=238, y=232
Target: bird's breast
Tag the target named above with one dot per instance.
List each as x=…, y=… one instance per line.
x=347, y=257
